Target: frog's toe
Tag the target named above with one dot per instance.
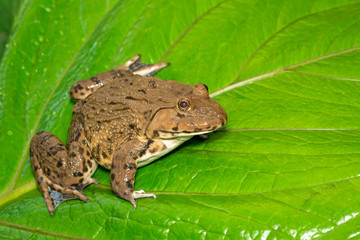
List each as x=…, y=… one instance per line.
x=138, y=67
x=142, y=194
x=150, y=70
x=55, y=194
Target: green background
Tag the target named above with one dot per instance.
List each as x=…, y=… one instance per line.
x=286, y=165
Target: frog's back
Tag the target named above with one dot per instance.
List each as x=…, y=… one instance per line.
x=115, y=113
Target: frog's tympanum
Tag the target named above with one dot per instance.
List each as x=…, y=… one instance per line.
x=123, y=119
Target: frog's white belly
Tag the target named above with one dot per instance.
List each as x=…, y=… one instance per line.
x=164, y=146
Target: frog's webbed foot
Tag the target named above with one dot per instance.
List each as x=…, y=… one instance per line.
x=138, y=67
x=55, y=194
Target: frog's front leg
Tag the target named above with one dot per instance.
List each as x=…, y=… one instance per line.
x=83, y=88
x=123, y=169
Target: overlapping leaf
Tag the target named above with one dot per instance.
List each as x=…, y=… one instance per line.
x=285, y=166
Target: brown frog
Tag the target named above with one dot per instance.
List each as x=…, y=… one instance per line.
x=124, y=119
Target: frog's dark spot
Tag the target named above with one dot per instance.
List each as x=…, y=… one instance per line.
x=131, y=154
x=129, y=166
x=48, y=172
x=175, y=128
x=76, y=173
x=132, y=126
x=53, y=150
x=207, y=127
x=142, y=152
x=98, y=149
x=72, y=155
x=36, y=168
x=104, y=154
x=186, y=131
x=180, y=115
x=77, y=135
x=85, y=169
x=142, y=90
x=88, y=153
x=110, y=151
x=198, y=129
x=153, y=150
x=80, y=87
x=59, y=164
x=152, y=84
x=129, y=184
x=112, y=176
x=126, y=80
x=74, y=185
x=129, y=97
x=46, y=137
x=89, y=163
x=76, y=91
x=81, y=180
x=31, y=154
x=116, y=183
x=82, y=94
x=131, y=83
x=213, y=128
x=40, y=179
x=39, y=133
x=112, y=165
x=48, y=154
x=81, y=150
x=95, y=80
x=155, y=133
x=93, y=152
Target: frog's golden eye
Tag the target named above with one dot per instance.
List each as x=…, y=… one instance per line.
x=184, y=105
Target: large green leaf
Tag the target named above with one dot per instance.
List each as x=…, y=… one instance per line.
x=285, y=166
x=8, y=9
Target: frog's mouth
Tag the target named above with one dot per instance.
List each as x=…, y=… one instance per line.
x=185, y=133
x=169, y=123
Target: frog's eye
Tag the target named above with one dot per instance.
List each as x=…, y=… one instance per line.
x=184, y=105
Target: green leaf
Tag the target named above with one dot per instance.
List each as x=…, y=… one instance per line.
x=8, y=9
x=286, y=165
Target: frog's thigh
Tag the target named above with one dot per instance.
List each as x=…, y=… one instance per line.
x=123, y=170
x=49, y=160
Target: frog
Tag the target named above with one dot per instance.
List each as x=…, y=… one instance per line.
x=122, y=119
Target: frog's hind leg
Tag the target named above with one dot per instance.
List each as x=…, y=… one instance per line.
x=50, y=162
x=138, y=67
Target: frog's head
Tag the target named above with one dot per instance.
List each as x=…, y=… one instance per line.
x=191, y=112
